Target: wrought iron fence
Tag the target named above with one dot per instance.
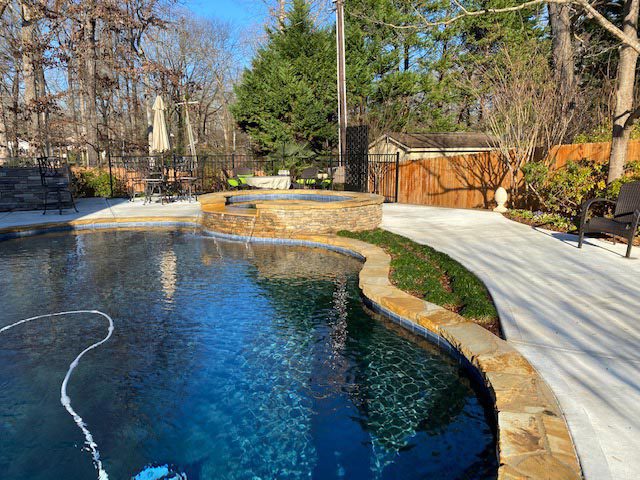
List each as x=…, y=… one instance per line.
x=18, y=162
x=127, y=173
x=382, y=175
x=372, y=173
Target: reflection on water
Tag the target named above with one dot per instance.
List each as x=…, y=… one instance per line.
x=229, y=361
x=168, y=265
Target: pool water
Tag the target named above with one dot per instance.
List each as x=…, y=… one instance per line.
x=227, y=361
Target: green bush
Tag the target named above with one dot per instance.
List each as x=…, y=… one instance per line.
x=563, y=191
x=558, y=195
x=92, y=183
x=552, y=221
x=632, y=174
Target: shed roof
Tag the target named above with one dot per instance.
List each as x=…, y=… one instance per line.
x=452, y=140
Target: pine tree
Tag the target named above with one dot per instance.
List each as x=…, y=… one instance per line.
x=288, y=94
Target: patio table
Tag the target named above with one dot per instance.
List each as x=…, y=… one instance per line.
x=274, y=182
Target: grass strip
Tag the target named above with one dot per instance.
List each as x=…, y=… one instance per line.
x=433, y=276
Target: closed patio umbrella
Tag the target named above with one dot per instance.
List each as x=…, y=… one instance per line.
x=159, y=136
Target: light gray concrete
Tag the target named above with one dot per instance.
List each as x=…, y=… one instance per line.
x=101, y=208
x=575, y=314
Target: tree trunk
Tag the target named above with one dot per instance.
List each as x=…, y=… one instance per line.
x=43, y=112
x=282, y=13
x=31, y=77
x=90, y=87
x=73, y=102
x=563, y=58
x=4, y=137
x=15, y=103
x=622, y=120
x=83, y=109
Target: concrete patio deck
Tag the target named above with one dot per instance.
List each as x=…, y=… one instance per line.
x=101, y=209
x=574, y=314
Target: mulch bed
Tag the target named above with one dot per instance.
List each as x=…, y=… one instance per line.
x=555, y=228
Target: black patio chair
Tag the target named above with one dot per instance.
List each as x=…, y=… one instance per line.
x=136, y=169
x=55, y=178
x=186, y=177
x=626, y=216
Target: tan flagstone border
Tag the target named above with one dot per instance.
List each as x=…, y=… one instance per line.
x=125, y=222
x=533, y=439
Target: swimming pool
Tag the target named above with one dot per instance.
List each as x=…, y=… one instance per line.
x=227, y=361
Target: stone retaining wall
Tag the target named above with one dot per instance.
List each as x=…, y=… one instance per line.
x=20, y=189
x=288, y=218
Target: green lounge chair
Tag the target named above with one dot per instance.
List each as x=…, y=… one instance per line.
x=308, y=177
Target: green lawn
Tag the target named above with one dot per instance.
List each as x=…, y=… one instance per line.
x=434, y=276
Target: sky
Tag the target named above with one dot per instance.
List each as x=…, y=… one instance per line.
x=239, y=12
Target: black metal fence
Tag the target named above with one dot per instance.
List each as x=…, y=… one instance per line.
x=370, y=173
x=18, y=162
x=383, y=175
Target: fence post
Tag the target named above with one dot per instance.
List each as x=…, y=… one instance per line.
x=331, y=173
x=233, y=160
x=397, y=175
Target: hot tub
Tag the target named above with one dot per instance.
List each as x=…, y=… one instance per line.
x=284, y=213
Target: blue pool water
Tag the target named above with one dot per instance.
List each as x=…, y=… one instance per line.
x=227, y=361
x=309, y=197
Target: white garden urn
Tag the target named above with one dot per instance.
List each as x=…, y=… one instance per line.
x=501, y=198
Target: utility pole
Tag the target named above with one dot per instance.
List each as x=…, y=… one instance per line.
x=342, y=80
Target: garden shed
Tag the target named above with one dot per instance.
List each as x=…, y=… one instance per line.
x=420, y=146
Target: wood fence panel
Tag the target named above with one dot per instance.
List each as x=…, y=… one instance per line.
x=463, y=181
x=470, y=181
x=597, y=152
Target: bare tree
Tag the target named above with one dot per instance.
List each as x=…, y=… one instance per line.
x=524, y=115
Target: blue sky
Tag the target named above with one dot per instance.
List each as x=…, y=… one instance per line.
x=238, y=12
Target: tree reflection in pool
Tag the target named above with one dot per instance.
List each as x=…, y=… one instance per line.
x=228, y=361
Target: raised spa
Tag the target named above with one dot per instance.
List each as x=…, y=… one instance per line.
x=287, y=213
x=227, y=361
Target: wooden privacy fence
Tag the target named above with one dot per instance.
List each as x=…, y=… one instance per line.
x=470, y=181
x=597, y=152
x=460, y=181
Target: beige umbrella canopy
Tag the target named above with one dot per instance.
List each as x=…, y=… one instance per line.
x=159, y=136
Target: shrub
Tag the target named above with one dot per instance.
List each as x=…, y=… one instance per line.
x=632, y=174
x=551, y=221
x=92, y=183
x=564, y=190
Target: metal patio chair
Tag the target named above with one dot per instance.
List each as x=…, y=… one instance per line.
x=135, y=170
x=186, y=178
x=156, y=181
x=626, y=216
x=55, y=178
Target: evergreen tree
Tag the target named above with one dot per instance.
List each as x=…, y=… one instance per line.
x=402, y=79
x=289, y=93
